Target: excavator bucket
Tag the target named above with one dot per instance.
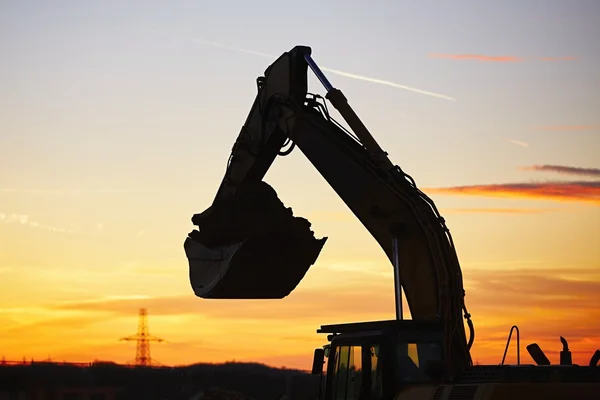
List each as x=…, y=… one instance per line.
x=250, y=246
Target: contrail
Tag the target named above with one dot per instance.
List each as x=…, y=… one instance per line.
x=387, y=83
x=331, y=70
x=224, y=46
x=518, y=142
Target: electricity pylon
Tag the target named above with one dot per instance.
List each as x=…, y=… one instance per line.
x=143, y=339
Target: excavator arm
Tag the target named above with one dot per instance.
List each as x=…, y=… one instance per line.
x=248, y=245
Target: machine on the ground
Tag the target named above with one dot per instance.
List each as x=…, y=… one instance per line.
x=248, y=245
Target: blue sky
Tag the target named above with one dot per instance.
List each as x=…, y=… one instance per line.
x=107, y=67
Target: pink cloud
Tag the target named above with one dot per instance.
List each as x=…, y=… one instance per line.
x=477, y=57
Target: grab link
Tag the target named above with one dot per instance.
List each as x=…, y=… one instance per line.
x=514, y=327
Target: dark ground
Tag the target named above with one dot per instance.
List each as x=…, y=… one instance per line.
x=216, y=381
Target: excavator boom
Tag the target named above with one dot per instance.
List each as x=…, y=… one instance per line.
x=249, y=245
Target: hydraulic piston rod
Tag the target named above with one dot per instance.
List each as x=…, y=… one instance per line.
x=339, y=101
x=317, y=71
x=397, y=280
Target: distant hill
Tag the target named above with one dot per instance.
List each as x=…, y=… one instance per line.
x=198, y=381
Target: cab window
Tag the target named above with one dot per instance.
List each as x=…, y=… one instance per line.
x=376, y=389
x=356, y=373
x=412, y=359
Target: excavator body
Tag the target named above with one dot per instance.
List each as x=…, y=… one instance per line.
x=248, y=245
x=404, y=360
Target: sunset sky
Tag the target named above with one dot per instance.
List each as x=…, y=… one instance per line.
x=117, y=119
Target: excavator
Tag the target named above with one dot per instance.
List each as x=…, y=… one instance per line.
x=248, y=245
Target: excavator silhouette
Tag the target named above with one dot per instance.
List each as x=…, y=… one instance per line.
x=248, y=245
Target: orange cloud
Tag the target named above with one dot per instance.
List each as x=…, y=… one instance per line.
x=565, y=58
x=555, y=290
x=477, y=57
x=302, y=304
x=583, y=191
x=566, y=128
x=561, y=169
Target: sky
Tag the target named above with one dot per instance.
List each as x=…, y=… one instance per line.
x=117, y=119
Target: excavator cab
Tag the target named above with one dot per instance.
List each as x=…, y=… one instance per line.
x=375, y=360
